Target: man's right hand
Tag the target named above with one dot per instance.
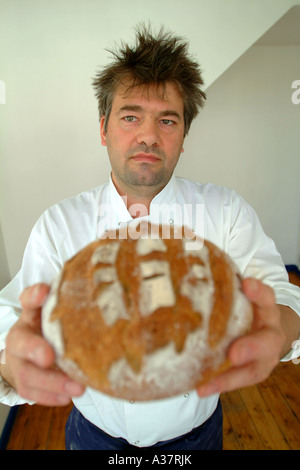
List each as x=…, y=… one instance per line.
x=30, y=360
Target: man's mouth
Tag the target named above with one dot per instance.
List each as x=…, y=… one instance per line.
x=145, y=157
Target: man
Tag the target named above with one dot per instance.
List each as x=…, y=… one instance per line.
x=147, y=98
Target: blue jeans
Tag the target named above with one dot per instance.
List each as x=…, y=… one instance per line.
x=81, y=434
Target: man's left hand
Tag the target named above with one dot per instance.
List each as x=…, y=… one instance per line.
x=253, y=356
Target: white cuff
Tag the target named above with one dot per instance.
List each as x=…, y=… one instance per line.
x=294, y=354
x=8, y=395
x=3, y=357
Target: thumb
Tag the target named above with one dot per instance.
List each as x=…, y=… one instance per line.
x=32, y=299
x=262, y=298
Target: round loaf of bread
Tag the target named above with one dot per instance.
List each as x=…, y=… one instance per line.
x=146, y=314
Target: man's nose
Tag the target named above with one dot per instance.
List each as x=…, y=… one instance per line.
x=148, y=133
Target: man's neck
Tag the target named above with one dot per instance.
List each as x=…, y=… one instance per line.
x=137, y=206
x=138, y=199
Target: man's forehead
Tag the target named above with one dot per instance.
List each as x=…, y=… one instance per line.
x=167, y=92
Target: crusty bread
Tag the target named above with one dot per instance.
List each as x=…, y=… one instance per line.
x=146, y=316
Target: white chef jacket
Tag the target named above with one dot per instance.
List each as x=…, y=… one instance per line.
x=215, y=213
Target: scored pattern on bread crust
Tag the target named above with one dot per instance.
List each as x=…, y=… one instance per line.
x=132, y=314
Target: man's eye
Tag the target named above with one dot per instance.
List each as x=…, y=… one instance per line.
x=130, y=118
x=167, y=122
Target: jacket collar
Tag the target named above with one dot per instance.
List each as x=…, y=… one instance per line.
x=166, y=197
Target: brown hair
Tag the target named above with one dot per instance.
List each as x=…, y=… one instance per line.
x=153, y=60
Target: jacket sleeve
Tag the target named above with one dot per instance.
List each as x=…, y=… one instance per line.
x=258, y=257
x=41, y=262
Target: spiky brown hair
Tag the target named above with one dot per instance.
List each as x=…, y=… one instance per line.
x=152, y=60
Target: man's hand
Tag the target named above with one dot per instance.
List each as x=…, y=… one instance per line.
x=254, y=356
x=29, y=366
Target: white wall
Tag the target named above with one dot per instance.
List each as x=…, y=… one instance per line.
x=49, y=50
x=248, y=138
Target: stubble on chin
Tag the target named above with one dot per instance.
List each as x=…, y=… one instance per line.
x=144, y=176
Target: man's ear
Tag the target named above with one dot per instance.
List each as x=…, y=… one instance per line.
x=102, y=131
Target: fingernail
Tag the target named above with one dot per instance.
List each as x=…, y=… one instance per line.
x=244, y=355
x=35, y=293
x=253, y=285
x=209, y=389
x=74, y=388
x=37, y=355
x=63, y=400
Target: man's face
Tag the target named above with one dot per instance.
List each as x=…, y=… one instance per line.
x=144, y=137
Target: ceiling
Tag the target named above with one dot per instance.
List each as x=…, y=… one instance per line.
x=285, y=32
